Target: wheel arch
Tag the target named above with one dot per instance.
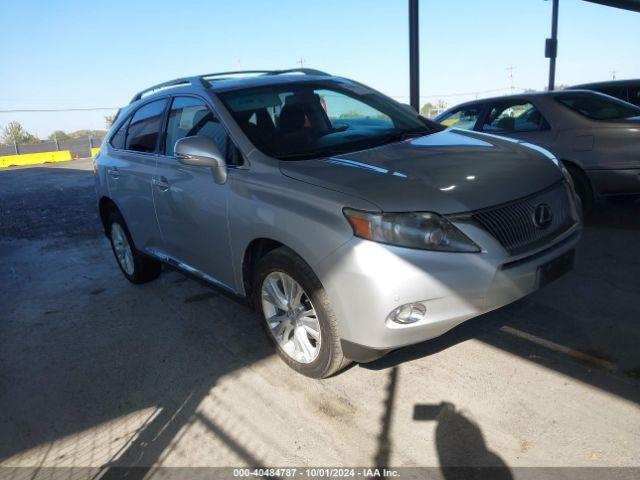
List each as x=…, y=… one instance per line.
x=254, y=251
x=589, y=195
x=572, y=165
x=105, y=206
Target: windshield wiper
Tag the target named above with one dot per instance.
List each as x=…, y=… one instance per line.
x=361, y=144
x=398, y=137
x=312, y=154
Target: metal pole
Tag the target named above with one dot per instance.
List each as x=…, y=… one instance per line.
x=414, y=70
x=551, y=50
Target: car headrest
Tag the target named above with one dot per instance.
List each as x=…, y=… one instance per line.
x=507, y=123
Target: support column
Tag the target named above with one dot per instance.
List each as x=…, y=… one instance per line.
x=551, y=46
x=414, y=57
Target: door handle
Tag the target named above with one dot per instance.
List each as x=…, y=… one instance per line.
x=161, y=182
x=113, y=172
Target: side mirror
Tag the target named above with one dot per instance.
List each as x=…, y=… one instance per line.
x=201, y=151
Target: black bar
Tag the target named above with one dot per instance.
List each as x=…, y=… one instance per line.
x=414, y=70
x=554, y=42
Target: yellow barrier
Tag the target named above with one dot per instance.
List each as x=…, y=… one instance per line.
x=94, y=150
x=35, y=158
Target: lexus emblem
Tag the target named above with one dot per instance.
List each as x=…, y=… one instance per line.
x=542, y=216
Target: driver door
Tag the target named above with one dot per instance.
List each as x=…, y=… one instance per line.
x=190, y=206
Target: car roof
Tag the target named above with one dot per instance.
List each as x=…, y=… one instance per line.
x=225, y=81
x=524, y=96
x=226, y=84
x=609, y=83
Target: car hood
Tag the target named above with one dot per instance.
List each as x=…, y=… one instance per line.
x=447, y=172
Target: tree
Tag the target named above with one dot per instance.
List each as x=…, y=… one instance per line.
x=59, y=135
x=109, y=119
x=87, y=133
x=15, y=133
x=430, y=110
x=427, y=108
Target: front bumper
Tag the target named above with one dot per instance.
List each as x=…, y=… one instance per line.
x=366, y=280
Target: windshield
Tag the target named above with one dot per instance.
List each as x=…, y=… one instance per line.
x=316, y=119
x=598, y=107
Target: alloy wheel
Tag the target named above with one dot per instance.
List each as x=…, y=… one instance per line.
x=291, y=317
x=122, y=249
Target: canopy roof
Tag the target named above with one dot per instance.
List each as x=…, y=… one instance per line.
x=625, y=4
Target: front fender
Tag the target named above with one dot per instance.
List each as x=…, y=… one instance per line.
x=263, y=203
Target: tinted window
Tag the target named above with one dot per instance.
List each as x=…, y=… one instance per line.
x=316, y=119
x=618, y=92
x=464, y=118
x=597, y=106
x=634, y=95
x=189, y=117
x=144, y=128
x=117, y=140
x=518, y=116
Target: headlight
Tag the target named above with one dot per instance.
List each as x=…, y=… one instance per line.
x=426, y=231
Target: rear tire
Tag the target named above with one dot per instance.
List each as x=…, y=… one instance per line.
x=582, y=186
x=282, y=269
x=135, y=266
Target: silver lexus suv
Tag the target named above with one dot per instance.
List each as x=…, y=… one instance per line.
x=353, y=225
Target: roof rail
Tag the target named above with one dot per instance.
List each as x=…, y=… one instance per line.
x=200, y=79
x=306, y=71
x=236, y=72
x=170, y=83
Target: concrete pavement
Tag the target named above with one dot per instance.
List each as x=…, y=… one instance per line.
x=97, y=372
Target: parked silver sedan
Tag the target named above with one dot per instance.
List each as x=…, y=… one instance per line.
x=353, y=225
x=597, y=137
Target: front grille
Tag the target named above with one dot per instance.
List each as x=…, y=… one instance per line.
x=514, y=226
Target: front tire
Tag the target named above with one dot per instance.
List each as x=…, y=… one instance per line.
x=135, y=266
x=296, y=314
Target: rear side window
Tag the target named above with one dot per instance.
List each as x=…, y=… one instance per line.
x=598, y=107
x=144, y=127
x=518, y=116
x=464, y=118
x=118, y=138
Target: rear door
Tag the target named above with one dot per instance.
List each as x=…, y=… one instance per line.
x=191, y=207
x=517, y=118
x=132, y=162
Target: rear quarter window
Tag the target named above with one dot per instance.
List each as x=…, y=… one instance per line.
x=598, y=107
x=118, y=138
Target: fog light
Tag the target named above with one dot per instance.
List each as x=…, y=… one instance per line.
x=408, y=313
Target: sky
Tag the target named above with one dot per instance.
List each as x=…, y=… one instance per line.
x=78, y=54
